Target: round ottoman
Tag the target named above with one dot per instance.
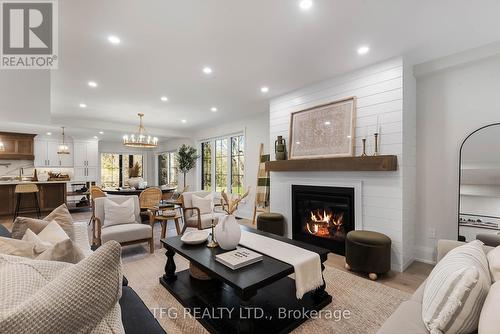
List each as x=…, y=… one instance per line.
x=369, y=252
x=271, y=222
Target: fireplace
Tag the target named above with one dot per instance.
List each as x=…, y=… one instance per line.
x=322, y=215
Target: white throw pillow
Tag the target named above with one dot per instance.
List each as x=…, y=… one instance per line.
x=203, y=203
x=40, y=245
x=494, y=264
x=116, y=214
x=455, y=291
x=489, y=321
x=52, y=233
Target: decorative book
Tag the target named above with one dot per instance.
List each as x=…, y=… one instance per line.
x=238, y=258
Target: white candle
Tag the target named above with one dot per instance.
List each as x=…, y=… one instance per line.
x=379, y=124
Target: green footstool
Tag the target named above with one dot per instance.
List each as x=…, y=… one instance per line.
x=368, y=252
x=271, y=222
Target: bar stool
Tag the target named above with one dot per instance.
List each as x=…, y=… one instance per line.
x=24, y=189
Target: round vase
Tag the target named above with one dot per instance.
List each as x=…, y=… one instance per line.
x=228, y=232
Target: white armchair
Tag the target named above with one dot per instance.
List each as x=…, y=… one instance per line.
x=192, y=215
x=127, y=233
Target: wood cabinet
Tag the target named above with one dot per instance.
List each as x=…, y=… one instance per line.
x=17, y=146
x=46, y=154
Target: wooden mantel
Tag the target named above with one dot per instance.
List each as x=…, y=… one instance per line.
x=381, y=163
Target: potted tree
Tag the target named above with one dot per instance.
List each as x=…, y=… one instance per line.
x=186, y=159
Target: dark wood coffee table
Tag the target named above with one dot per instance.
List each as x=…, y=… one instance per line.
x=259, y=298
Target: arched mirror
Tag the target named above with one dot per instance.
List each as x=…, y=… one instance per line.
x=479, y=205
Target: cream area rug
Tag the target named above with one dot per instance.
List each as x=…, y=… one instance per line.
x=369, y=303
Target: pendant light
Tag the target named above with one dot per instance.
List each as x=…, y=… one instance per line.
x=63, y=148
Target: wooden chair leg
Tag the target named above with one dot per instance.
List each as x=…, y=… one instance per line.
x=177, y=226
x=151, y=245
x=163, y=229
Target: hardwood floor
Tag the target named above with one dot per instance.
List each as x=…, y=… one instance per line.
x=407, y=281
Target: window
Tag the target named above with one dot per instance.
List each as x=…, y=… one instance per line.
x=206, y=166
x=228, y=168
x=221, y=165
x=116, y=168
x=167, y=169
x=237, y=164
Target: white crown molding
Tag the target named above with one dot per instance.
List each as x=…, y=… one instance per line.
x=457, y=59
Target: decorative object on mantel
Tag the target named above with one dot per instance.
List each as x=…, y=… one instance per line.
x=227, y=231
x=377, y=135
x=280, y=148
x=140, y=139
x=2, y=146
x=63, y=148
x=364, y=147
x=380, y=163
x=324, y=131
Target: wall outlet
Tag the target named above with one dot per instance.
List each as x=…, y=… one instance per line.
x=432, y=233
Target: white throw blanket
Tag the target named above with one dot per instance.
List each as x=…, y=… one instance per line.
x=307, y=264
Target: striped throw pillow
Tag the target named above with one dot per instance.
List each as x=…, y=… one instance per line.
x=455, y=291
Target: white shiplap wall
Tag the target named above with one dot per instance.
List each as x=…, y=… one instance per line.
x=379, y=91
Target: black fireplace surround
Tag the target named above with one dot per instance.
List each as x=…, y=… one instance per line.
x=322, y=215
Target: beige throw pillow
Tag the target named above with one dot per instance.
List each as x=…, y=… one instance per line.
x=494, y=264
x=52, y=233
x=47, y=297
x=489, y=321
x=117, y=214
x=202, y=203
x=60, y=215
x=455, y=291
x=40, y=245
x=63, y=251
x=9, y=246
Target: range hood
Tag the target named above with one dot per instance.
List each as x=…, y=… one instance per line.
x=16, y=146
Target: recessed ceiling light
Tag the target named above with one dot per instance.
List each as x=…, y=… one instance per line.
x=83, y=105
x=327, y=123
x=101, y=132
x=213, y=109
x=183, y=121
x=92, y=84
x=114, y=39
x=305, y=4
x=164, y=98
x=95, y=137
x=207, y=70
x=264, y=89
x=362, y=50
x=49, y=133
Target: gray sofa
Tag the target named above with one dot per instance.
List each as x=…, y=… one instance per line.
x=408, y=316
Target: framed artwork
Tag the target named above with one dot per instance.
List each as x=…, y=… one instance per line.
x=323, y=131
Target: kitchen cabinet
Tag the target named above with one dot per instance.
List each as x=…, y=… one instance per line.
x=86, y=155
x=17, y=146
x=46, y=154
x=50, y=196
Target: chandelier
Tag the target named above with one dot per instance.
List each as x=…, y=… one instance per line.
x=63, y=148
x=140, y=139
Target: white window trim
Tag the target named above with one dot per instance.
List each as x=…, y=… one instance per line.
x=199, y=163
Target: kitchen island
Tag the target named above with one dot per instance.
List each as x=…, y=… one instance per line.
x=51, y=194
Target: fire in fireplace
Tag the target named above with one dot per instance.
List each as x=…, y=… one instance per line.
x=323, y=215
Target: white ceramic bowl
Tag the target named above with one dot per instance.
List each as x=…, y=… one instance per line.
x=195, y=237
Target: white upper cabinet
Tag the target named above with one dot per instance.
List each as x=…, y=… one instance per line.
x=86, y=154
x=46, y=154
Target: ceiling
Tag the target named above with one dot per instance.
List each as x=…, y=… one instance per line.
x=248, y=44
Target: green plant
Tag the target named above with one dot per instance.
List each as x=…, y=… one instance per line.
x=186, y=159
